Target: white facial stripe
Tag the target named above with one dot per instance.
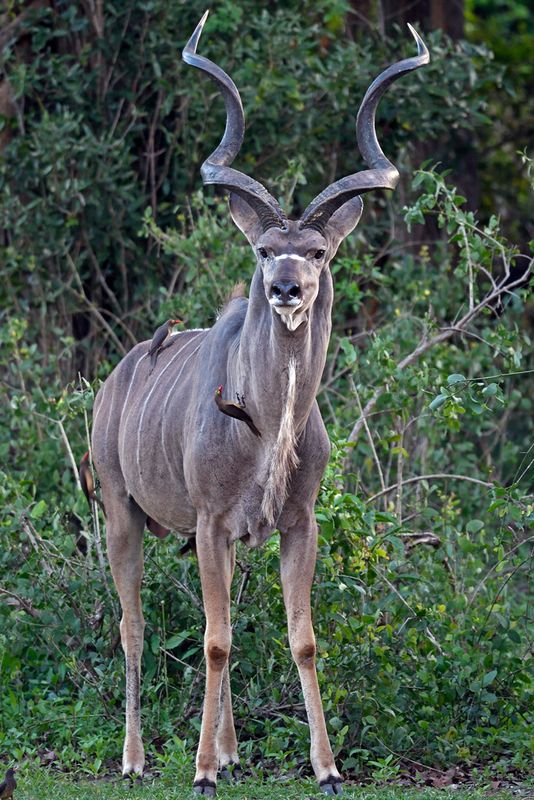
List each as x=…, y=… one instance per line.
x=290, y=255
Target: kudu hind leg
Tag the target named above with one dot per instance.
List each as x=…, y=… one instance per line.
x=297, y=567
x=125, y=553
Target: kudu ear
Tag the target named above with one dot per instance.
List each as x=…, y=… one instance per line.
x=344, y=220
x=245, y=218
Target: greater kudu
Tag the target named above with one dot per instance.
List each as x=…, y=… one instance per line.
x=168, y=458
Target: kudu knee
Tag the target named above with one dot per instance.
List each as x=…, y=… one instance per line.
x=303, y=652
x=132, y=632
x=217, y=652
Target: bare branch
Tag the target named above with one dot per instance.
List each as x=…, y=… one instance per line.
x=93, y=308
x=427, y=630
x=9, y=28
x=69, y=451
x=433, y=477
x=496, y=565
x=369, y=436
x=21, y=602
x=426, y=344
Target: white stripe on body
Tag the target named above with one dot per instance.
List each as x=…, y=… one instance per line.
x=152, y=390
x=125, y=404
x=163, y=447
x=104, y=391
x=189, y=330
x=108, y=423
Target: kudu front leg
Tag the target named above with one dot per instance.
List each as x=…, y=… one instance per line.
x=215, y=561
x=298, y=548
x=226, y=737
x=125, y=553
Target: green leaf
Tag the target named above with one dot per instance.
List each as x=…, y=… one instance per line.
x=400, y=451
x=489, y=677
x=38, y=510
x=455, y=378
x=438, y=401
x=474, y=526
x=176, y=640
x=490, y=390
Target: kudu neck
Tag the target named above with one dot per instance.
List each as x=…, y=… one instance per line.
x=267, y=349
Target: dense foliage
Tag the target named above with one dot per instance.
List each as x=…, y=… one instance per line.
x=423, y=606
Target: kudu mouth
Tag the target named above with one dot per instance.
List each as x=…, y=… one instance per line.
x=289, y=310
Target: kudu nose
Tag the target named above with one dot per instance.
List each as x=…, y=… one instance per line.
x=285, y=291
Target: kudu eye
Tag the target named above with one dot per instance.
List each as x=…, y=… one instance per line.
x=263, y=252
x=319, y=254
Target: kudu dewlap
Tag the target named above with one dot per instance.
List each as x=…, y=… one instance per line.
x=165, y=452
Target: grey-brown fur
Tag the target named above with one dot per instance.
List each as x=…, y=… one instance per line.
x=164, y=451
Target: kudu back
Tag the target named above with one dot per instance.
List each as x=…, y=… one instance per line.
x=168, y=458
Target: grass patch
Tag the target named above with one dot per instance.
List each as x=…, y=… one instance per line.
x=61, y=787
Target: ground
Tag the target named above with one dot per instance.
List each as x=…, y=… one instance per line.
x=37, y=785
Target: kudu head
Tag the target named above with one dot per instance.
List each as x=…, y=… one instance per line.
x=293, y=253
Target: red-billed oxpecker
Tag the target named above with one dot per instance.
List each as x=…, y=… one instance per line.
x=235, y=410
x=87, y=483
x=160, y=338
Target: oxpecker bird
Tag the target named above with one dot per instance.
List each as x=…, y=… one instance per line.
x=160, y=337
x=88, y=484
x=8, y=785
x=235, y=410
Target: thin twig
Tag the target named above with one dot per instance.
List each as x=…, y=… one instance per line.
x=408, y=606
x=427, y=344
x=70, y=454
x=93, y=308
x=369, y=436
x=179, y=585
x=434, y=476
x=494, y=567
x=244, y=582
x=26, y=605
x=470, y=278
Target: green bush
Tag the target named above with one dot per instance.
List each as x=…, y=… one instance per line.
x=423, y=596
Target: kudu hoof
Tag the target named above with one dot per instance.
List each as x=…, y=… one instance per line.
x=131, y=778
x=231, y=772
x=332, y=786
x=204, y=787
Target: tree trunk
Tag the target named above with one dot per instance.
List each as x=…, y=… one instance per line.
x=430, y=14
